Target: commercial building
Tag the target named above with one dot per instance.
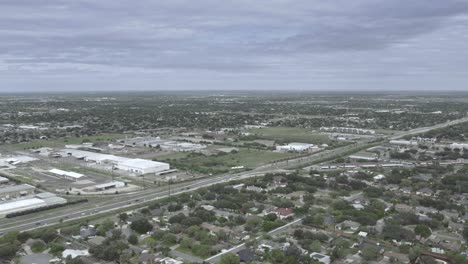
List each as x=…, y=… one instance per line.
x=136, y=166
x=40, y=200
x=109, y=185
x=404, y=142
x=142, y=166
x=67, y=174
x=20, y=205
x=296, y=146
x=165, y=144
x=348, y=130
x=16, y=191
x=364, y=156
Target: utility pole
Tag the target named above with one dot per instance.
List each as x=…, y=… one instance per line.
x=112, y=171
x=169, y=184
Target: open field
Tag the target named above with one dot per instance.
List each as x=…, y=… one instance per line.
x=61, y=142
x=221, y=163
x=291, y=134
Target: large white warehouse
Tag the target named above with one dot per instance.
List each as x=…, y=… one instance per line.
x=142, y=166
x=295, y=146
x=138, y=166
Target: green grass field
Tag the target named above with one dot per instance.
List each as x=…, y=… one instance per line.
x=249, y=158
x=291, y=134
x=61, y=142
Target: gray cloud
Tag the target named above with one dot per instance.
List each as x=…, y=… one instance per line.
x=231, y=39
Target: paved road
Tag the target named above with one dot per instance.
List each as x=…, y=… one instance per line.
x=421, y=130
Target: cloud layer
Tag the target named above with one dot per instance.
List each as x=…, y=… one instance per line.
x=208, y=44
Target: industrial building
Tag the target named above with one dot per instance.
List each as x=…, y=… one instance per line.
x=16, y=160
x=136, y=166
x=404, y=142
x=67, y=174
x=16, y=191
x=165, y=144
x=109, y=185
x=364, y=156
x=142, y=166
x=295, y=146
x=31, y=203
x=348, y=130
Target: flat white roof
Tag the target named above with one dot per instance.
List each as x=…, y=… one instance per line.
x=66, y=173
x=142, y=163
x=110, y=184
x=16, y=188
x=137, y=163
x=4, y=207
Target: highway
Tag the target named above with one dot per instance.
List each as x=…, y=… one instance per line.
x=109, y=204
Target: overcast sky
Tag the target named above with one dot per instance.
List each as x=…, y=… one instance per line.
x=99, y=45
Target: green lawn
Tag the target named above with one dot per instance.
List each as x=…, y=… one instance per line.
x=291, y=134
x=61, y=142
x=249, y=158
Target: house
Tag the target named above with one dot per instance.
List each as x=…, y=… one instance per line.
x=425, y=192
x=284, y=212
x=169, y=260
x=270, y=245
x=391, y=187
x=348, y=226
x=425, y=210
x=457, y=227
x=87, y=231
x=406, y=190
x=321, y=258
x=279, y=182
x=450, y=214
x=362, y=234
x=73, y=253
x=403, y=208
x=379, y=177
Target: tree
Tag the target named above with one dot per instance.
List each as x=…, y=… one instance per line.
x=229, y=259
x=38, y=246
x=422, y=230
x=370, y=253
x=105, y=226
x=133, y=239
x=123, y=217
x=141, y=226
x=56, y=249
x=8, y=251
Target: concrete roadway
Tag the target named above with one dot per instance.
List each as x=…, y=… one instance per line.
x=115, y=203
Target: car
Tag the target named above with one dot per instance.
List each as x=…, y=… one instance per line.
x=38, y=223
